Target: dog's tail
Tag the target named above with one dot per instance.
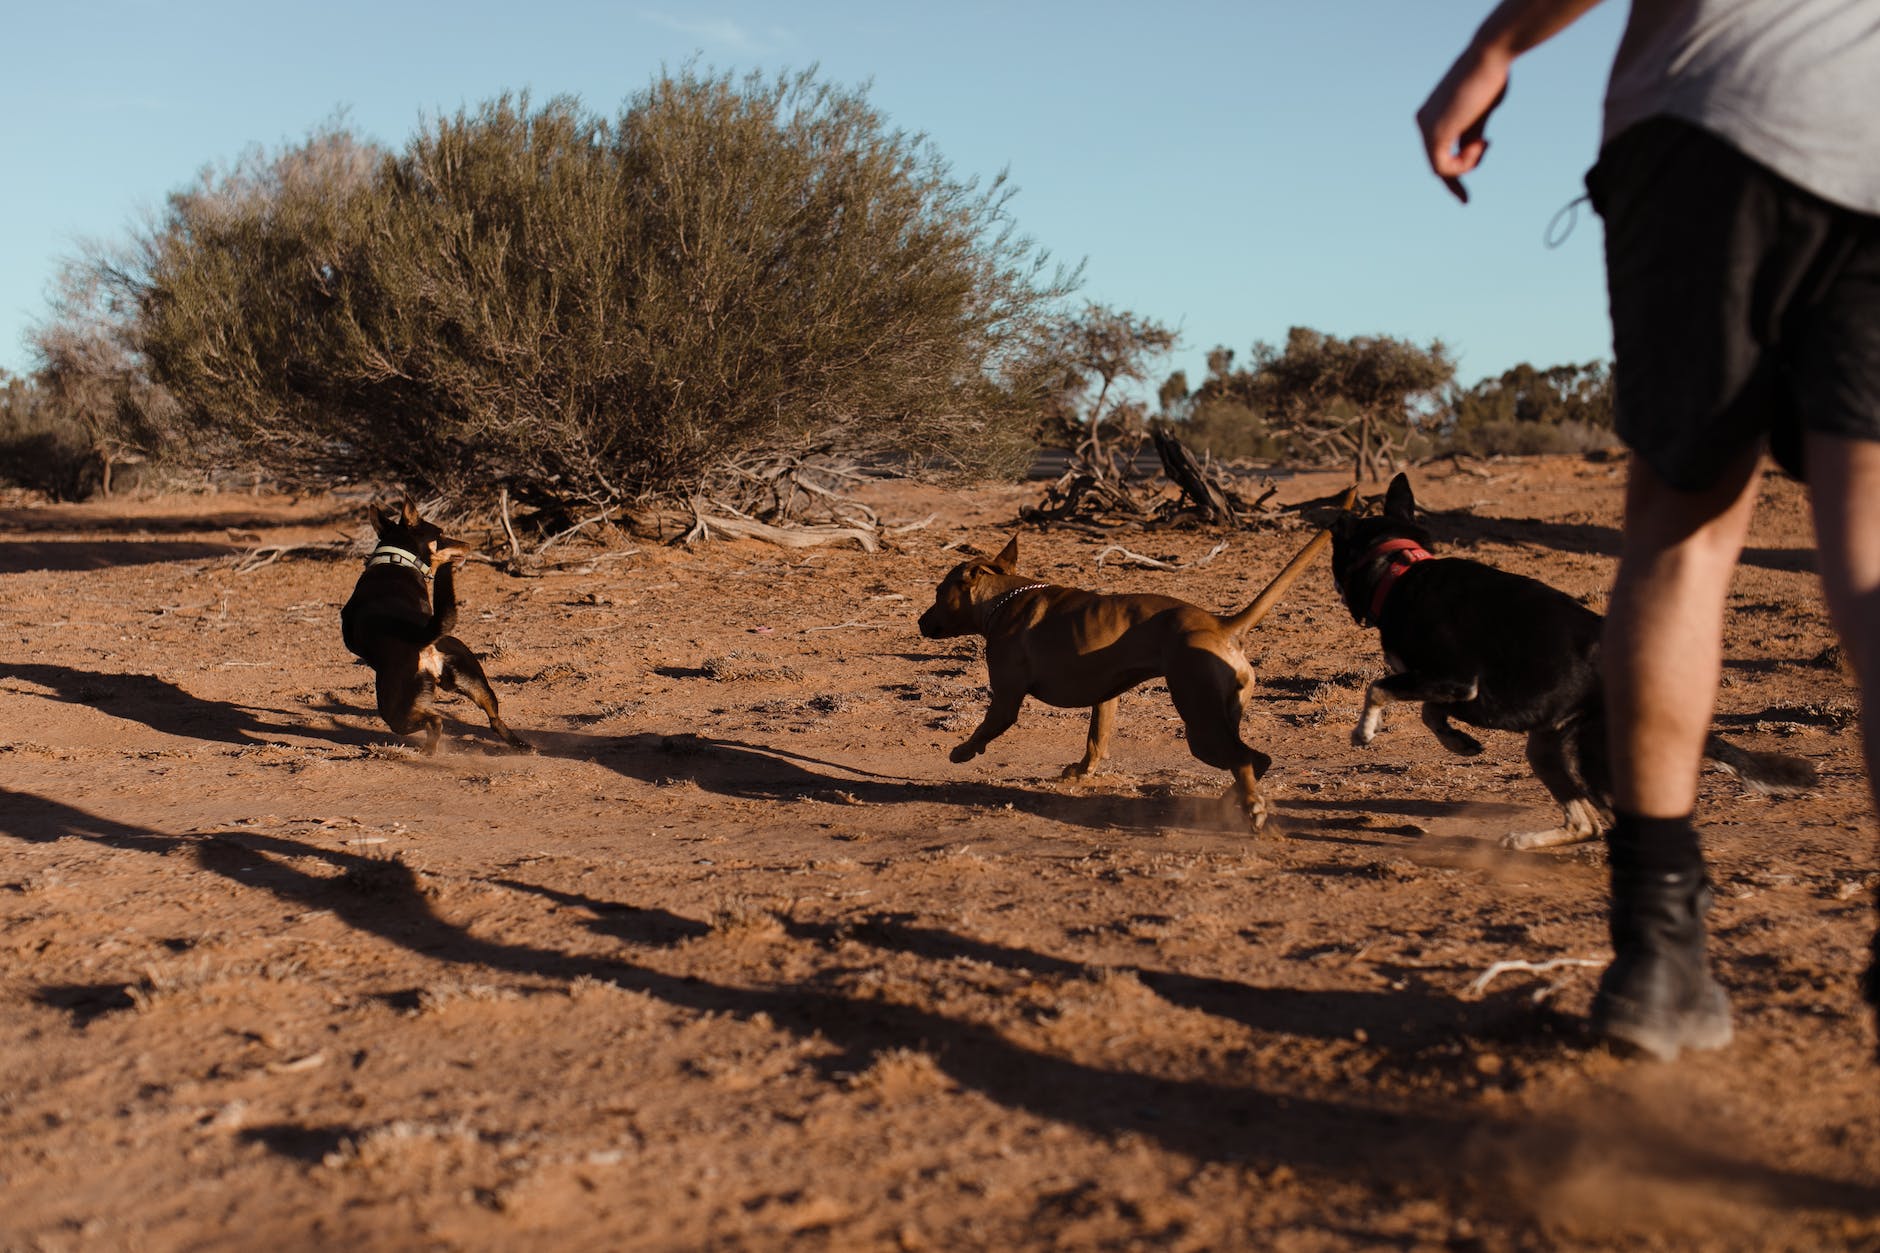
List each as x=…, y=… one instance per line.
x=1269, y=595
x=1762, y=772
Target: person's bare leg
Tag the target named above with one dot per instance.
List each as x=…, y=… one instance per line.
x=1661, y=656
x=1844, y=488
x=1662, y=652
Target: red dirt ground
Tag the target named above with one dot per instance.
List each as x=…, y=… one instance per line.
x=740, y=960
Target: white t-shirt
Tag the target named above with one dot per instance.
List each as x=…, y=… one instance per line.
x=1793, y=84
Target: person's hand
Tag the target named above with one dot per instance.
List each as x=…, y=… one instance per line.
x=1456, y=114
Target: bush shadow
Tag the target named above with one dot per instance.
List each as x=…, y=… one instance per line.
x=89, y=519
x=69, y=555
x=1467, y=530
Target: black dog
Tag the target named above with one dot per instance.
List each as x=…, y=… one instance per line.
x=1498, y=650
x=390, y=624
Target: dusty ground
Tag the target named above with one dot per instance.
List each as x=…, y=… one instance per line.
x=740, y=960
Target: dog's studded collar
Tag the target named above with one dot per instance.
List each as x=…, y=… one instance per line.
x=1000, y=603
x=390, y=555
x=1402, y=554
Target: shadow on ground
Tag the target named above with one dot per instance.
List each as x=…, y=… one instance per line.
x=1384, y=1148
x=170, y=709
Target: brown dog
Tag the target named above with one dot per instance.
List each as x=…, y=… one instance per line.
x=1072, y=649
x=391, y=624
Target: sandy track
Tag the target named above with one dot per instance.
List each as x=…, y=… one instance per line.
x=740, y=960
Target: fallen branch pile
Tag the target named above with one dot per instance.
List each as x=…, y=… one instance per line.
x=791, y=500
x=1103, y=495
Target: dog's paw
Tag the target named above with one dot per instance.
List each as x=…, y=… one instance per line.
x=1362, y=735
x=964, y=753
x=1076, y=772
x=1250, y=808
x=1555, y=837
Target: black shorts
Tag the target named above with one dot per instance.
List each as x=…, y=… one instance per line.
x=1743, y=308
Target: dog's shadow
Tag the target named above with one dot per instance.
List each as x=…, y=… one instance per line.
x=767, y=773
x=463, y=736
x=171, y=709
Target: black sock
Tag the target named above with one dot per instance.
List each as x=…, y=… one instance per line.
x=1640, y=845
x=1870, y=980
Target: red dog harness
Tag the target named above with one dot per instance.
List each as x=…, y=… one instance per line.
x=1403, y=554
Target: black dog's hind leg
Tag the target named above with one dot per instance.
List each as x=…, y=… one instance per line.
x=410, y=706
x=1409, y=686
x=462, y=673
x=1455, y=740
x=1562, y=759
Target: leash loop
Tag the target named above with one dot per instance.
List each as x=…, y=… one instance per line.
x=1555, y=235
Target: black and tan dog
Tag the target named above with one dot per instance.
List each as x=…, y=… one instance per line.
x=1498, y=650
x=1078, y=649
x=398, y=626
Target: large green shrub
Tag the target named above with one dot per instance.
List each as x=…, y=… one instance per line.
x=589, y=310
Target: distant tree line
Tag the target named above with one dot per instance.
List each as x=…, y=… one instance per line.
x=583, y=310
x=1376, y=400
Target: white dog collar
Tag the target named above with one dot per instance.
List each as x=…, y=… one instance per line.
x=388, y=555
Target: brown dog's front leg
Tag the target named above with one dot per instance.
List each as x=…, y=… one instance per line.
x=1000, y=716
x=1097, y=743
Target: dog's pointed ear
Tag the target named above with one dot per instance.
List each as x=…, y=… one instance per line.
x=1007, y=560
x=1343, y=523
x=1399, y=501
x=382, y=519
x=408, y=512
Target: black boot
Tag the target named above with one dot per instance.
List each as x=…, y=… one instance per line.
x=1657, y=995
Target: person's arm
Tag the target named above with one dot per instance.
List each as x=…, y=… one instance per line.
x=1453, y=118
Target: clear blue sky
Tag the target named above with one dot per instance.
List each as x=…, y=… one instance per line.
x=1231, y=169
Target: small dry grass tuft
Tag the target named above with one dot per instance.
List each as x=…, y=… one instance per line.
x=739, y=666
x=441, y=996
x=741, y=922
x=386, y=875
x=899, y=1074
x=384, y=1145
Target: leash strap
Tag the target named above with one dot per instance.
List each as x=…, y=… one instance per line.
x=1403, y=554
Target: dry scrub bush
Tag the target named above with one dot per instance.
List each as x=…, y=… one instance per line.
x=1559, y=409
x=40, y=447
x=592, y=311
x=1324, y=400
